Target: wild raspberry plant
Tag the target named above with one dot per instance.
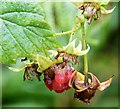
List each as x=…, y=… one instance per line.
x=58, y=64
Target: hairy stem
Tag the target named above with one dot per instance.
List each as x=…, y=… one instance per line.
x=85, y=56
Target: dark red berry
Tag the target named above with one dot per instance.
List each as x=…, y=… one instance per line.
x=60, y=81
x=60, y=78
x=48, y=83
x=58, y=87
x=57, y=76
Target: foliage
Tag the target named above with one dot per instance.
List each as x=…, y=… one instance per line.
x=24, y=31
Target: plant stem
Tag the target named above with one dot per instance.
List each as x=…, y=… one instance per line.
x=63, y=33
x=71, y=36
x=85, y=56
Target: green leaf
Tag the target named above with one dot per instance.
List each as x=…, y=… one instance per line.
x=23, y=31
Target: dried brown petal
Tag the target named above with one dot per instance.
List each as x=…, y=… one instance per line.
x=72, y=78
x=85, y=91
x=49, y=73
x=95, y=82
x=31, y=70
x=85, y=95
x=76, y=78
x=67, y=57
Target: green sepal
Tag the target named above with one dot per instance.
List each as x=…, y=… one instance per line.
x=45, y=62
x=104, y=11
x=71, y=49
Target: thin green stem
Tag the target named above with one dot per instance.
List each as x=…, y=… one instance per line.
x=84, y=48
x=63, y=33
x=71, y=36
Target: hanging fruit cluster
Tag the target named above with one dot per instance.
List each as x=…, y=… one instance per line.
x=60, y=75
x=58, y=68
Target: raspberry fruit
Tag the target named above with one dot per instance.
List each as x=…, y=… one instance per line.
x=48, y=83
x=60, y=78
x=59, y=88
x=57, y=78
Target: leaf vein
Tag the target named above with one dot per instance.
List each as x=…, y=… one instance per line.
x=23, y=13
x=31, y=40
x=17, y=42
x=23, y=26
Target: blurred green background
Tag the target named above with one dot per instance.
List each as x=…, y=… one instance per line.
x=102, y=36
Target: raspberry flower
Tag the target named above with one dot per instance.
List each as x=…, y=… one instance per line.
x=93, y=9
x=85, y=89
